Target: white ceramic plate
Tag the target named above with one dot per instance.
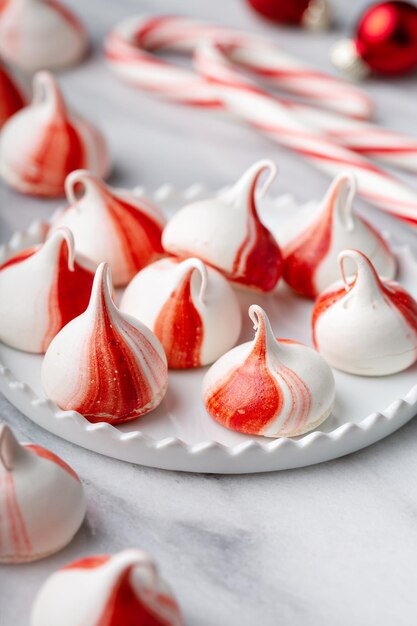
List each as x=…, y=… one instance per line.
x=179, y=435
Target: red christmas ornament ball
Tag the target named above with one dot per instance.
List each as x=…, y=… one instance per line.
x=386, y=37
x=281, y=11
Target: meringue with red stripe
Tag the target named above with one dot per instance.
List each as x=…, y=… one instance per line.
x=364, y=324
x=42, y=501
x=124, y=589
x=268, y=386
x=41, y=144
x=40, y=34
x=41, y=289
x=11, y=100
x=112, y=225
x=189, y=306
x=104, y=364
x=310, y=246
x=226, y=232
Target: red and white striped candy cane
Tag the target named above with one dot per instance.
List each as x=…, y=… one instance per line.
x=130, y=43
x=221, y=85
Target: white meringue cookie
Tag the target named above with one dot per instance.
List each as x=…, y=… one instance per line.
x=268, y=386
x=366, y=325
x=40, y=34
x=41, y=290
x=226, y=232
x=11, y=100
x=120, y=590
x=42, y=501
x=104, y=364
x=310, y=246
x=190, y=307
x=41, y=144
x=112, y=225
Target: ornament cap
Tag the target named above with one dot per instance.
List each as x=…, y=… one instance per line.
x=345, y=56
x=317, y=16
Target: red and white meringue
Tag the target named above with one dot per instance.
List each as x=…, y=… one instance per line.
x=40, y=34
x=268, y=386
x=112, y=225
x=11, y=100
x=366, y=325
x=226, y=232
x=310, y=246
x=41, y=144
x=42, y=501
x=42, y=289
x=189, y=306
x=120, y=590
x=104, y=364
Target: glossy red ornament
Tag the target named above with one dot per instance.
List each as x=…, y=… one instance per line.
x=386, y=37
x=310, y=13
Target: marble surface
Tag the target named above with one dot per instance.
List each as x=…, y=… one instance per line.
x=334, y=544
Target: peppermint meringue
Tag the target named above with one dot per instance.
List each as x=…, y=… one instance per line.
x=104, y=364
x=42, y=289
x=41, y=144
x=189, y=306
x=11, y=100
x=40, y=34
x=226, y=232
x=310, y=250
x=366, y=325
x=121, y=590
x=268, y=386
x=112, y=225
x=42, y=501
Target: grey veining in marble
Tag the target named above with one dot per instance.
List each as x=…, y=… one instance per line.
x=330, y=545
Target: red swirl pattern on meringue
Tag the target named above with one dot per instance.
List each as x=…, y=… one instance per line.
x=40, y=34
x=335, y=228
x=44, y=453
x=128, y=228
x=258, y=261
x=16, y=533
x=43, y=143
x=101, y=395
x=226, y=233
x=394, y=294
x=179, y=326
x=60, y=290
x=126, y=588
x=251, y=397
x=11, y=100
x=365, y=325
x=124, y=606
x=42, y=501
x=106, y=366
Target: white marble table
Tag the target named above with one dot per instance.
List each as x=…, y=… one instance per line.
x=332, y=545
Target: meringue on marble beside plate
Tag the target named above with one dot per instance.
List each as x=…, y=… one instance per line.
x=268, y=386
x=124, y=589
x=364, y=324
x=104, y=364
x=43, y=142
x=226, y=232
x=11, y=100
x=42, y=501
x=112, y=225
x=190, y=307
x=40, y=34
x=42, y=289
x=311, y=244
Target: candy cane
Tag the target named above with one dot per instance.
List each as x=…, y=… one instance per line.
x=129, y=44
x=221, y=85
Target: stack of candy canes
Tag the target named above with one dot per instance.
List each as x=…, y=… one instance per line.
x=179, y=308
